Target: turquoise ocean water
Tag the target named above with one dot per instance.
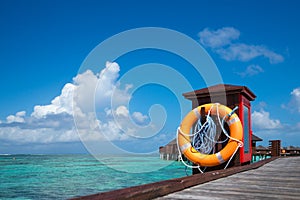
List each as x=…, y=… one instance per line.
x=66, y=176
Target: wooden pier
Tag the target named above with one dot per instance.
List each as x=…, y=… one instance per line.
x=268, y=179
x=279, y=179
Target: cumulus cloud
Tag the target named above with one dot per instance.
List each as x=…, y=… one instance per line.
x=225, y=43
x=261, y=120
x=92, y=104
x=85, y=89
x=129, y=125
x=108, y=87
x=19, y=117
x=139, y=117
x=60, y=104
x=46, y=124
x=122, y=111
x=87, y=99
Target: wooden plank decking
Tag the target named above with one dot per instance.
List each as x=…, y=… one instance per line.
x=162, y=188
x=279, y=179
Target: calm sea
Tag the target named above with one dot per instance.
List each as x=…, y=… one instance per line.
x=66, y=176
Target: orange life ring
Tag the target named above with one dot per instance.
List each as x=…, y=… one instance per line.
x=209, y=160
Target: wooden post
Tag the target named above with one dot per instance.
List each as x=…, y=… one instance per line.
x=274, y=146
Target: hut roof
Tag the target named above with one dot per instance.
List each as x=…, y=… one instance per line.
x=172, y=142
x=221, y=88
x=261, y=148
x=292, y=148
x=256, y=138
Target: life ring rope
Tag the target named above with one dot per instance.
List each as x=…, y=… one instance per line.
x=182, y=148
x=229, y=122
x=201, y=159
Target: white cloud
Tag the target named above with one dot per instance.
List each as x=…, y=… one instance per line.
x=139, y=117
x=296, y=98
x=128, y=124
x=218, y=38
x=87, y=101
x=245, y=52
x=296, y=93
x=294, y=103
x=108, y=87
x=97, y=89
x=122, y=111
x=18, y=135
x=288, y=134
x=112, y=131
x=251, y=70
x=85, y=89
x=270, y=128
x=93, y=95
x=88, y=95
x=261, y=120
x=19, y=117
x=60, y=104
x=224, y=42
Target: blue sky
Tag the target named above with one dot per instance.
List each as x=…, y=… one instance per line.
x=44, y=44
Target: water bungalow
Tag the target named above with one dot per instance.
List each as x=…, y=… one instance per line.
x=290, y=151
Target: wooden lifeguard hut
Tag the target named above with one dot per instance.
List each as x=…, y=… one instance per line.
x=231, y=96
